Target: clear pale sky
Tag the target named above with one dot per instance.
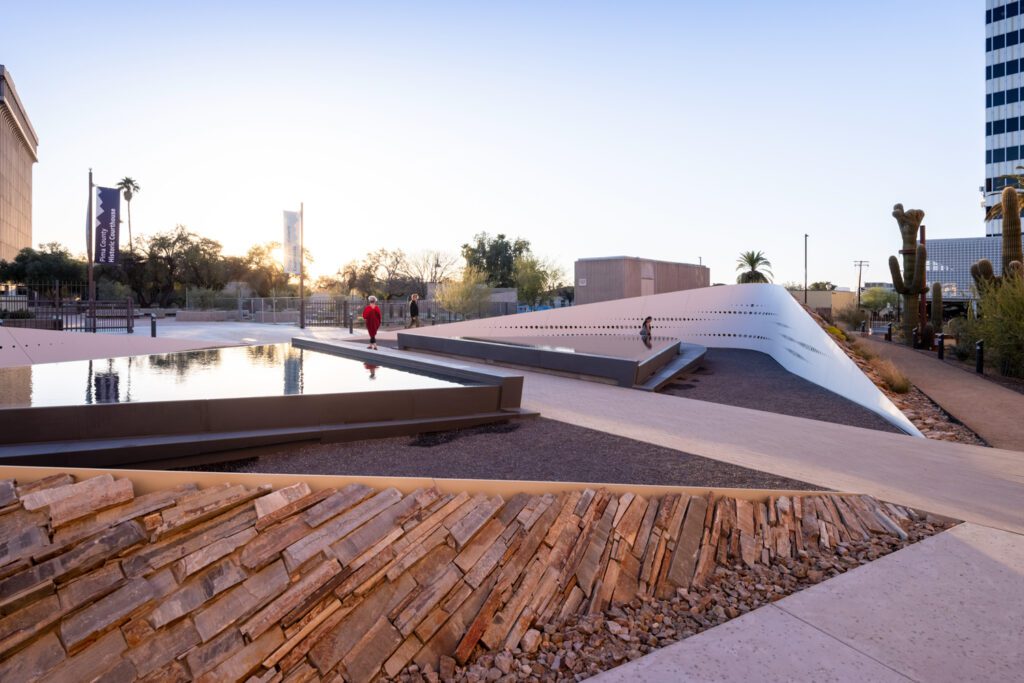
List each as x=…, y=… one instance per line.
x=666, y=130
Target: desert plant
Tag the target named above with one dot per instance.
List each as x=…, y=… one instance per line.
x=937, y=306
x=910, y=283
x=836, y=332
x=862, y=351
x=1001, y=325
x=1012, y=258
x=891, y=375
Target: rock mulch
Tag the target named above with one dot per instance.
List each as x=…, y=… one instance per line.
x=236, y=582
x=926, y=414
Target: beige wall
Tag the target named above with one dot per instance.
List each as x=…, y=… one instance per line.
x=625, y=277
x=18, y=144
x=821, y=299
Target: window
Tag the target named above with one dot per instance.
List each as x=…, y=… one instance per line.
x=999, y=98
x=988, y=16
x=1012, y=38
x=988, y=128
x=1011, y=154
x=998, y=70
x=988, y=156
x=1012, y=95
x=1012, y=67
x=1011, y=10
x=998, y=127
x=998, y=155
x=988, y=45
x=998, y=42
x=988, y=101
x=988, y=72
x=999, y=13
x=1012, y=125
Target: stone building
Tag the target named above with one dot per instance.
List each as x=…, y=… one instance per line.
x=18, y=145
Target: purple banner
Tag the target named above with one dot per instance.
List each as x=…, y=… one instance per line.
x=108, y=225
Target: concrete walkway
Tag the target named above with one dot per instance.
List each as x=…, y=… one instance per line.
x=994, y=412
x=945, y=609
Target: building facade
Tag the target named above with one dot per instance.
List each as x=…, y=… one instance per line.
x=622, y=277
x=1004, y=99
x=18, y=146
x=950, y=260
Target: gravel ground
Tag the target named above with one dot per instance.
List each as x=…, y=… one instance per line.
x=530, y=449
x=750, y=379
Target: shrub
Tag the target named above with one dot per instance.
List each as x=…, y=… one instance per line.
x=890, y=374
x=20, y=314
x=965, y=330
x=836, y=332
x=1002, y=325
x=851, y=316
x=862, y=351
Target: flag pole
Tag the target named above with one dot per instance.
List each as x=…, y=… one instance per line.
x=88, y=251
x=302, y=266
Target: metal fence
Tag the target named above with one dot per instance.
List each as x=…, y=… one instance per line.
x=63, y=306
x=324, y=311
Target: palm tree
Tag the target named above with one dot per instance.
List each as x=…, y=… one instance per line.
x=129, y=187
x=750, y=262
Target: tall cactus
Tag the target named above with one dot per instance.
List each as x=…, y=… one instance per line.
x=937, y=306
x=910, y=283
x=982, y=271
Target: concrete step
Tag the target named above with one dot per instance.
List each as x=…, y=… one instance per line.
x=690, y=355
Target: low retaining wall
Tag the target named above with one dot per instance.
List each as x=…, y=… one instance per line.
x=55, y=324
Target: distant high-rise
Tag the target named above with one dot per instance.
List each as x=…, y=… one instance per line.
x=18, y=145
x=1004, y=98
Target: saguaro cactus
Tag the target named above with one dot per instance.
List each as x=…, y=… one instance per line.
x=910, y=283
x=982, y=271
x=937, y=306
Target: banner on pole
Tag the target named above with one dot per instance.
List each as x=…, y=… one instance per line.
x=108, y=225
x=292, y=243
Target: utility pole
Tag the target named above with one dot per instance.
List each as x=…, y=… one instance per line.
x=859, y=265
x=805, y=269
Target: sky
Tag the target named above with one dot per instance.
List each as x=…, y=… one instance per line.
x=684, y=131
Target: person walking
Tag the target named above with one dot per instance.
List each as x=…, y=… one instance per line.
x=372, y=316
x=414, y=311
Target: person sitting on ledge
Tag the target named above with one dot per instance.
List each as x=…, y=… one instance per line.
x=645, y=332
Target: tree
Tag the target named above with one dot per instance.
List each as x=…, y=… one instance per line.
x=52, y=261
x=129, y=188
x=536, y=279
x=390, y=268
x=358, y=277
x=495, y=257
x=877, y=298
x=466, y=296
x=430, y=266
x=755, y=266
x=265, y=274
x=821, y=286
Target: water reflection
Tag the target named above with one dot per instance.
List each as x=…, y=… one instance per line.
x=271, y=370
x=182, y=363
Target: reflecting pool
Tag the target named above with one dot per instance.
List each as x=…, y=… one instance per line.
x=236, y=372
x=631, y=348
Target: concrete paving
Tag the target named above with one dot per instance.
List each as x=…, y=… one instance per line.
x=992, y=411
x=945, y=609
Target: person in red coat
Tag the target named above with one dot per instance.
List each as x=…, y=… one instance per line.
x=371, y=314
